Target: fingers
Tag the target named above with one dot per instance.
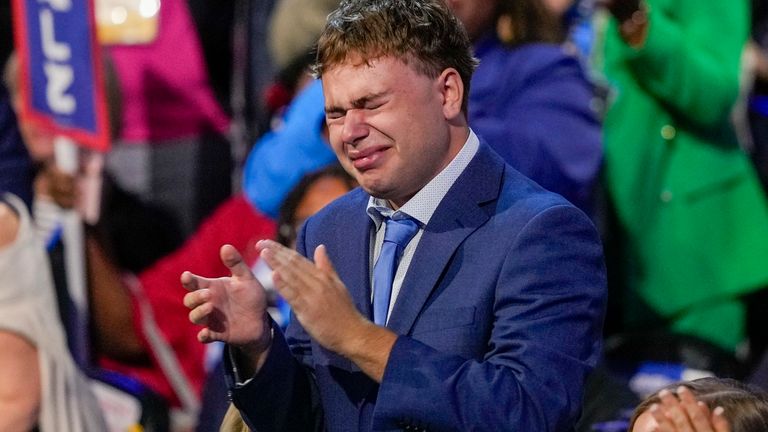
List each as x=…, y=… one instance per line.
x=273, y=251
x=200, y=307
x=297, y=279
x=196, y=300
x=697, y=412
x=282, y=259
x=663, y=424
x=192, y=282
x=322, y=261
x=231, y=258
x=207, y=336
x=203, y=312
x=289, y=269
x=677, y=413
x=203, y=335
x=681, y=412
x=234, y=262
x=719, y=421
x=671, y=416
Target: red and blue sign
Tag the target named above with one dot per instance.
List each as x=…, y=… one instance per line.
x=61, y=75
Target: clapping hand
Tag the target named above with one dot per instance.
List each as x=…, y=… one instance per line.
x=231, y=309
x=321, y=303
x=318, y=298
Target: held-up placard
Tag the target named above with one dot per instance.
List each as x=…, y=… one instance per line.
x=61, y=75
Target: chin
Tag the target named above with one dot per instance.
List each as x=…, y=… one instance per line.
x=375, y=190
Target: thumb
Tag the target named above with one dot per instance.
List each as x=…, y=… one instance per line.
x=234, y=262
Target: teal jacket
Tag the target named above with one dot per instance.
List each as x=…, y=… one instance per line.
x=687, y=197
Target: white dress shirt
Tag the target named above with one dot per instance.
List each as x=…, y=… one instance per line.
x=420, y=207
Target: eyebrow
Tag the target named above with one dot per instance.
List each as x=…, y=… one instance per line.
x=357, y=103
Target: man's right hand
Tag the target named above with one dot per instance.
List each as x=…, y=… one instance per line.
x=231, y=309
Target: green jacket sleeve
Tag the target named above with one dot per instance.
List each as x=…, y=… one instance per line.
x=692, y=65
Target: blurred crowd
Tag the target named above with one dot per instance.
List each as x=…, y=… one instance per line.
x=650, y=116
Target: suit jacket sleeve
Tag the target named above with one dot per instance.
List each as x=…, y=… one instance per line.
x=283, y=395
x=545, y=337
x=682, y=56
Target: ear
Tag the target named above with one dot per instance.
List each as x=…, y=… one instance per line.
x=452, y=91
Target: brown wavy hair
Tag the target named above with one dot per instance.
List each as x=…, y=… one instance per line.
x=746, y=407
x=422, y=33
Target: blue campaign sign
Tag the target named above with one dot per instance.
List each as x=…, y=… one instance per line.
x=61, y=78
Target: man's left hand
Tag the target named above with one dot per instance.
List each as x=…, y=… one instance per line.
x=323, y=306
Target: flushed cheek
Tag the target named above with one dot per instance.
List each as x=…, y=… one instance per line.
x=346, y=162
x=340, y=152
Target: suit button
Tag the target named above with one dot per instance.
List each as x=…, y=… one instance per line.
x=666, y=196
x=668, y=132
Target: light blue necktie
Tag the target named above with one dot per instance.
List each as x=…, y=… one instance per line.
x=397, y=234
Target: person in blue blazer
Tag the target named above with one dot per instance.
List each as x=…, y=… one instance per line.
x=494, y=313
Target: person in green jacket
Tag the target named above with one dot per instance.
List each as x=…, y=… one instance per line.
x=692, y=215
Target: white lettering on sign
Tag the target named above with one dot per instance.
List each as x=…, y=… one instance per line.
x=59, y=77
x=53, y=50
x=59, y=73
x=58, y=5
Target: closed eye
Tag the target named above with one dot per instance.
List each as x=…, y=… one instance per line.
x=330, y=116
x=372, y=106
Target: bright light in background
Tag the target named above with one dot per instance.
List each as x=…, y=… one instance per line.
x=148, y=8
x=118, y=15
x=126, y=22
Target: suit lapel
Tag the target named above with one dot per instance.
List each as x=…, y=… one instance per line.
x=459, y=214
x=352, y=241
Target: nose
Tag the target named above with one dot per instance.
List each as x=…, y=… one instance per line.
x=355, y=127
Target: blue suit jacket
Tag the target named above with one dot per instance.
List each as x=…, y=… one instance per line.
x=533, y=105
x=500, y=318
x=15, y=164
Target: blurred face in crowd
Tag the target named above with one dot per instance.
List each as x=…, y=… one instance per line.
x=389, y=124
x=321, y=193
x=558, y=7
x=39, y=142
x=478, y=16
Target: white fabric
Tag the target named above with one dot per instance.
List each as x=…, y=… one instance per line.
x=166, y=358
x=28, y=308
x=420, y=207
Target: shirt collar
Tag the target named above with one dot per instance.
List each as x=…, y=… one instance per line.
x=423, y=205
